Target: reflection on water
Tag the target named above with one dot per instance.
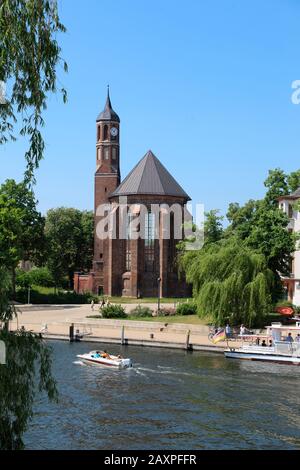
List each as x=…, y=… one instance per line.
x=168, y=400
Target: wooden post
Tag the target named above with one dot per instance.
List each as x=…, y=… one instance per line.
x=187, y=341
x=71, y=333
x=123, y=335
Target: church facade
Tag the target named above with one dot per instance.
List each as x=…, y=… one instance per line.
x=138, y=223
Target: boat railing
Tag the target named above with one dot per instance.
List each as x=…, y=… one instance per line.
x=288, y=348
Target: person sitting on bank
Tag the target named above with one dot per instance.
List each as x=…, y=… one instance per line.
x=289, y=338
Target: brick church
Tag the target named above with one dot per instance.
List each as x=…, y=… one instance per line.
x=138, y=223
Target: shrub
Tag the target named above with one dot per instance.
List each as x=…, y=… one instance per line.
x=188, y=308
x=36, y=276
x=37, y=297
x=113, y=311
x=141, y=311
x=166, y=312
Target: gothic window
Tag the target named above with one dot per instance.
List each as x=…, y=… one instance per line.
x=114, y=153
x=99, y=153
x=105, y=132
x=106, y=153
x=98, y=132
x=128, y=238
x=172, y=245
x=149, y=241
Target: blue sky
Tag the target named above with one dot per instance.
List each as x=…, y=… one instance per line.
x=204, y=84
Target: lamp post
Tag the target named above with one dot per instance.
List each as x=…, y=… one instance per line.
x=158, y=295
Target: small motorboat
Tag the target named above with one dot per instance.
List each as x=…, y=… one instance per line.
x=102, y=358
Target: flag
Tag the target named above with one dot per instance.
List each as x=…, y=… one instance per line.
x=219, y=336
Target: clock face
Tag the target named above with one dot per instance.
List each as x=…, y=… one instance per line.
x=114, y=131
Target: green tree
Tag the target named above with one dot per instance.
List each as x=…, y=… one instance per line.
x=21, y=226
x=69, y=235
x=29, y=57
x=213, y=228
x=27, y=358
x=231, y=282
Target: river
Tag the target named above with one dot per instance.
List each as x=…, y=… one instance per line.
x=170, y=399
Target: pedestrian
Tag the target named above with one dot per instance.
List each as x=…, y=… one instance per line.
x=92, y=305
x=103, y=302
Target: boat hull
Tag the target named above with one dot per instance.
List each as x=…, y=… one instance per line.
x=113, y=363
x=279, y=359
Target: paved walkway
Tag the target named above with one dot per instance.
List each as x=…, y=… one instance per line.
x=59, y=318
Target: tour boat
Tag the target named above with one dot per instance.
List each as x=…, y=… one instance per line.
x=100, y=358
x=280, y=351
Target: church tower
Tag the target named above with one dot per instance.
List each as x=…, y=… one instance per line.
x=107, y=179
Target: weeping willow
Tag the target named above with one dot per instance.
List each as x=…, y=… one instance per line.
x=230, y=282
x=27, y=370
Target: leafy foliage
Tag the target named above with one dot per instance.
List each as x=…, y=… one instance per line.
x=24, y=351
x=29, y=57
x=113, y=311
x=59, y=297
x=34, y=277
x=230, y=281
x=21, y=225
x=187, y=308
x=18, y=384
x=141, y=311
x=69, y=237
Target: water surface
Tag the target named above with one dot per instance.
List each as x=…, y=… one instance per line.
x=169, y=400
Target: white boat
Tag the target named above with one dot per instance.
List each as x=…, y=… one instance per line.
x=282, y=349
x=101, y=358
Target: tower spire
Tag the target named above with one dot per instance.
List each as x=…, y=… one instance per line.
x=108, y=114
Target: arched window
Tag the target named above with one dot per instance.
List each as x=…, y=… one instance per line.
x=149, y=241
x=106, y=153
x=105, y=132
x=98, y=133
x=114, y=153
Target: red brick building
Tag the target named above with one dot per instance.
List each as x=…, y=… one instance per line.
x=138, y=222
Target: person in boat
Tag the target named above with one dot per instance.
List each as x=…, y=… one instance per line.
x=264, y=342
x=270, y=343
x=228, y=331
x=243, y=330
x=297, y=339
x=97, y=354
x=289, y=338
x=105, y=355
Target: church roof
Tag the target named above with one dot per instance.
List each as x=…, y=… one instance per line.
x=108, y=114
x=296, y=193
x=149, y=176
x=293, y=195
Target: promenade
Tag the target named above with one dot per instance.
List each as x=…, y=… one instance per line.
x=54, y=323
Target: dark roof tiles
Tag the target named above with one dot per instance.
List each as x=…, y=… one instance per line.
x=108, y=114
x=149, y=176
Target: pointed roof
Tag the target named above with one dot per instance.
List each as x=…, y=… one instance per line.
x=149, y=176
x=296, y=193
x=293, y=195
x=108, y=114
